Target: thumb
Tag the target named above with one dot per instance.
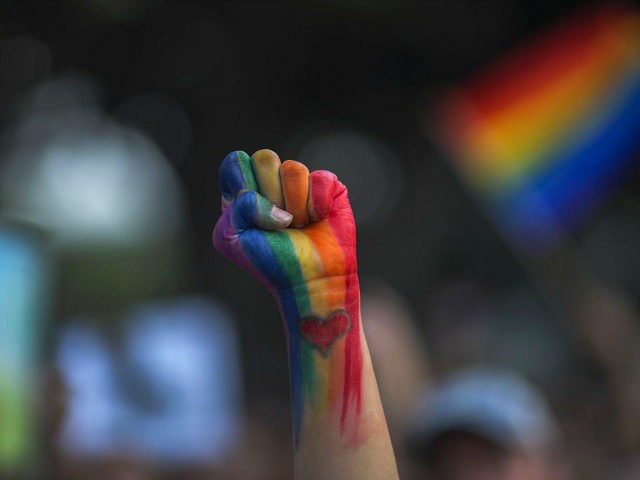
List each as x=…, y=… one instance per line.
x=248, y=210
x=252, y=210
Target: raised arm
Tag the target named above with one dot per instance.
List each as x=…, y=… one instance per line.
x=294, y=231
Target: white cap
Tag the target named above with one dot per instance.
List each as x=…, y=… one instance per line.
x=492, y=403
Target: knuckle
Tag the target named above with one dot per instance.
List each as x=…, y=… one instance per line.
x=265, y=157
x=293, y=169
x=246, y=199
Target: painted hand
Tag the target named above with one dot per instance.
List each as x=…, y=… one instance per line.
x=261, y=198
x=295, y=232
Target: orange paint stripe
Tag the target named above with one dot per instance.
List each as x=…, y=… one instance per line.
x=333, y=263
x=294, y=177
x=332, y=259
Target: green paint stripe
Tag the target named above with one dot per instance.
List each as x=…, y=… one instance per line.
x=264, y=207
x=309, y=380
x=244, y=161
x=281, y=242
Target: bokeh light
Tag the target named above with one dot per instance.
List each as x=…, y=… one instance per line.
x=76, y=171
x=173, y=396
x=160, y=117
x=366, y=164
x=25, y=302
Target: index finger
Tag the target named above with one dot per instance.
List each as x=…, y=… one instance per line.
x=236, y=176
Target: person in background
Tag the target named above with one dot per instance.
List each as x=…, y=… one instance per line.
x=485, y=423
x=400, y=358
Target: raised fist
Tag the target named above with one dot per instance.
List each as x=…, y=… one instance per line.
x=292, y=229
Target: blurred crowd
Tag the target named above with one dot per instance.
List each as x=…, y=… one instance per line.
x=129, y=349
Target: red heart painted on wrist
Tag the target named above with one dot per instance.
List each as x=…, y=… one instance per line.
x=322, y=332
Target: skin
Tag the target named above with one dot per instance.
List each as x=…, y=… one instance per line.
x=294, y=231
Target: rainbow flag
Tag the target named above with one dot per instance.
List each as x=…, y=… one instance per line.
x=546, y=132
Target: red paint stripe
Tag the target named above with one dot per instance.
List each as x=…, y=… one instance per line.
x=344, y=230
x=353, y=355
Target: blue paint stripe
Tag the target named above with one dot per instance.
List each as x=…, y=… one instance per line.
x=257, y=247
x=236, y=174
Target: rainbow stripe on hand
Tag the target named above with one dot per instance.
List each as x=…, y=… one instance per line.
x=294, y=231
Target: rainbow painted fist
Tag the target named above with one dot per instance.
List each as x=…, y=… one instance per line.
x=295, y=232
x=261, y=198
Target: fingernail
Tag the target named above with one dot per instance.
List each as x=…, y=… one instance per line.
x=281, y=215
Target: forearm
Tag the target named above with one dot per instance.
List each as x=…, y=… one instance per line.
x=307, y=259
x=339, y=426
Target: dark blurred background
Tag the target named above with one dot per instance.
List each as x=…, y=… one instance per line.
x=114, y=116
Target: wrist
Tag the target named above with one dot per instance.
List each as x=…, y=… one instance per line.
x=322, y=321
x=320, y=298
